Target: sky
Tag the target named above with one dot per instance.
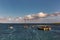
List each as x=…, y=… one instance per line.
x=42, y=11
x=21, y=8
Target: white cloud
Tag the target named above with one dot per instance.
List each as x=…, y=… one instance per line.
x=41, y=14
x=28, y=17
x=36, y=18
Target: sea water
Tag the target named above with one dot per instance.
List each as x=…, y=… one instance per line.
x=18, y=32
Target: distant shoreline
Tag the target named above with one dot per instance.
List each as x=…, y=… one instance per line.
x=33, y=23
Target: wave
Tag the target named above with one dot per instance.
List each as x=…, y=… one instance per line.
x=55, y=31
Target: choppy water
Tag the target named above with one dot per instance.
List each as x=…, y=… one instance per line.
x=18, y=32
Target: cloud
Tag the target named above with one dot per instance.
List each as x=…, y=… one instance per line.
x=2, y=20
x=28, y=17
x=55, y=14
x=44, y=17
x=40, y=17
x=36, y=16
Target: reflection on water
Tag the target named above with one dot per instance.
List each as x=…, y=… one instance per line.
x=18, y=32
